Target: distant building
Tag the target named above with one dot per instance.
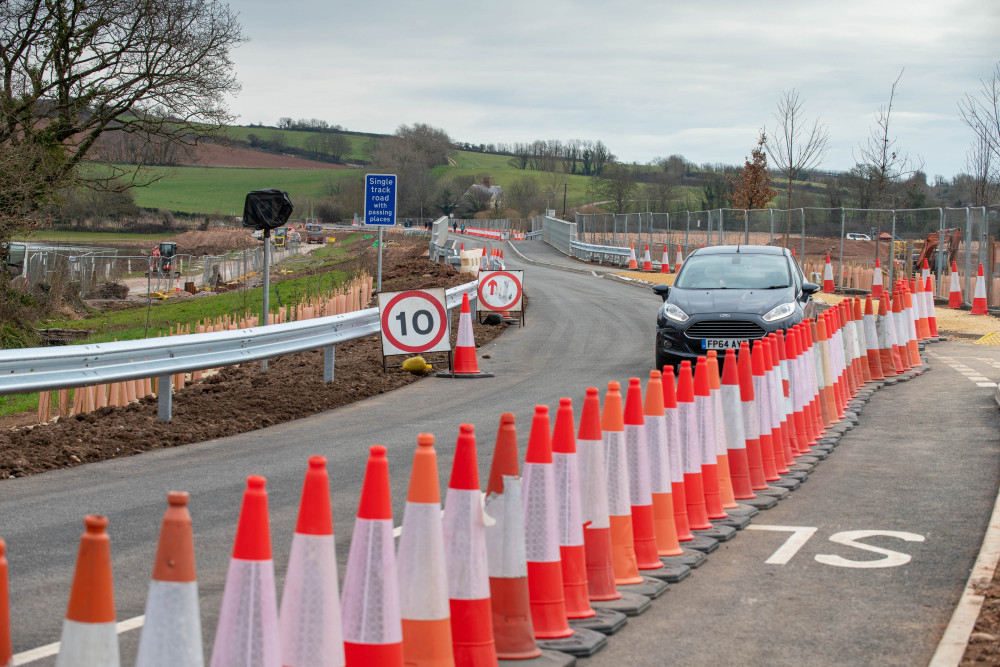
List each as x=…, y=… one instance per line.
x=486, y=190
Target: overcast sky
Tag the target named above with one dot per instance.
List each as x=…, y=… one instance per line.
x=648, y=78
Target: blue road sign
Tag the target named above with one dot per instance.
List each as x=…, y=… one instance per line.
x=380, y=199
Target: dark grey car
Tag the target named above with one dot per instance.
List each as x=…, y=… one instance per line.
x=725, y=295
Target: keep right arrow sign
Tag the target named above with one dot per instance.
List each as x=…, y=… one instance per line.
x=501, y=290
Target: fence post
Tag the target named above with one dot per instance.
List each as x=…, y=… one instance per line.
x=164, y=398
x=840, y=264
x=892, y=259
x=803, y=244
x=968, y=255
x=328, y=355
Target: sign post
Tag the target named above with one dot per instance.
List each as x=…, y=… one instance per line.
x=380, y=208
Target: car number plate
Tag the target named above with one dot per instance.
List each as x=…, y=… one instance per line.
x=721, y=343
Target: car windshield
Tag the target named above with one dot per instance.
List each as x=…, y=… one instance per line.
x=734, y=271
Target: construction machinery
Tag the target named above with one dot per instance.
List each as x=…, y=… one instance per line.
x=279, y=237
x=164, y=258
x=940, y=249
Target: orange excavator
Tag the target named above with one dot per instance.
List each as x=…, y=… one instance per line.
x=948, y=240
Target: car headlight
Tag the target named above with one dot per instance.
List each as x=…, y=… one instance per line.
x=780, y=312
x=675, y=313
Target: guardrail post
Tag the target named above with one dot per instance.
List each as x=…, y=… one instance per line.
x=164, y=398
x=328, y=354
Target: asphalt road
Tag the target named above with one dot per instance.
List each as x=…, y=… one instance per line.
x=925, y=461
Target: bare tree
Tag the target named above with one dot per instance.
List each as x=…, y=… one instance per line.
x=983, y=171
x=879, y=160
x=74, y=70
x=794, y=145
x=981, y=112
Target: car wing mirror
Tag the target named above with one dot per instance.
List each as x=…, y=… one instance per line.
x=808, y=289
x=663, y=291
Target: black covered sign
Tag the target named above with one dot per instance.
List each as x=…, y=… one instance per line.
x=266, y=209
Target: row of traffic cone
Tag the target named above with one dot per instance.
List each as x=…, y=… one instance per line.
x=647, y=262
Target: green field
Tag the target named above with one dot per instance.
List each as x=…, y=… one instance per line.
x=297, y=139
x=68, y=237
x=223, y=190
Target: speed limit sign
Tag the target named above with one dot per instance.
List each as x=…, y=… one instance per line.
x=501, y=290
x=414, y=322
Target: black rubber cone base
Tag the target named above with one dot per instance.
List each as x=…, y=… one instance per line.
x=786, y=483
x=546, y=659
x=672, y=573
x=802, y=467
x=630, y=604
x=605, y=621
x=773, y=490
x=889, y=381
x=796, y=474
x=760, y=502
x=700, y=542
x=742, y=509
x=449, y=374
x=733, y=521
x=582, y=643
x=716, y=532
x=651, y=588
x=691, y=557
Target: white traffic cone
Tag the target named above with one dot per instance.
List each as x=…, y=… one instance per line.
x=171, y=633
x=247, y=633
x=465, y=364
x=309, y=617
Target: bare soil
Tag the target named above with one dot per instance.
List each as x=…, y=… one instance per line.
x=214, y=241
x=214, y=155
x=984, y=643
x=238, y=399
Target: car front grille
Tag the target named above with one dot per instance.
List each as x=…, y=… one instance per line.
x=725, y=329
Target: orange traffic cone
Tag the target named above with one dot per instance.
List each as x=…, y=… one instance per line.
x=423, y=572
x=647, y=263
x=828, y=285
x=877, y=280
x=251, y=568
x=675, y=447
x=979, y=297
x=657, y=435
x=862, y=342
x=665, y=261
x=594, y=493
x=901, y=348
x=6, y=649
x=884, y=329
x=619, y=510
x=679, y=259
x=466, y=364
x=761, y=390
x=929, y=302
x=872, y=341
x=706, y=441
x=171, y=633
x=632, y=264
x=548, y=609
x=309, y=616
x=508, y=568
x=89, y=638
x=372, y=622
x=640, y=495
x=955, y=288
x=913, y=335
x=569, y=518
x=721, y=429
x=465, y=553
x=779, y=430
x=694, y=488
x=920, y=311
x=736, y=445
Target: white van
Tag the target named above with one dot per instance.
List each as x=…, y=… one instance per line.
x=858, y=237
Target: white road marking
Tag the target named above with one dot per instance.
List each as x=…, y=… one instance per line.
x=849, y=538
x=49, y=650
x=800, y=535
x=986, y=384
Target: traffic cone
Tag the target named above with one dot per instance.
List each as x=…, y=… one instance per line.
x=929, y=303
x=171, y=634
x=707, y=447
x=797, y=389
x=249, y=604
x=736, y=446
x=828, y=285
x=902, y=348
x=89, y=638
x=694, y=489
x=721, y=441
x=862, y=342
x=465, y=553
x=955, y=289
x=422, y=567
x=508, y=568
x=679, y=259
x=6, y=649
x=640, y=493
x=466, y=364
x=911, y=328
x=548, y=609
x=779, y=434
x=675, y=447
x=647, y=263
x=619, y=509
x=372, y=622
x=657, y=435
x=884, y=331
x=309, y=616
x=925, y=272
x=979, y=298
x=632, y=264
x=872, y=341
x=920, y=308
x=570, y=517
x=751, y=418
x=762, y=395
x=665, y=261
x=877, y=280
